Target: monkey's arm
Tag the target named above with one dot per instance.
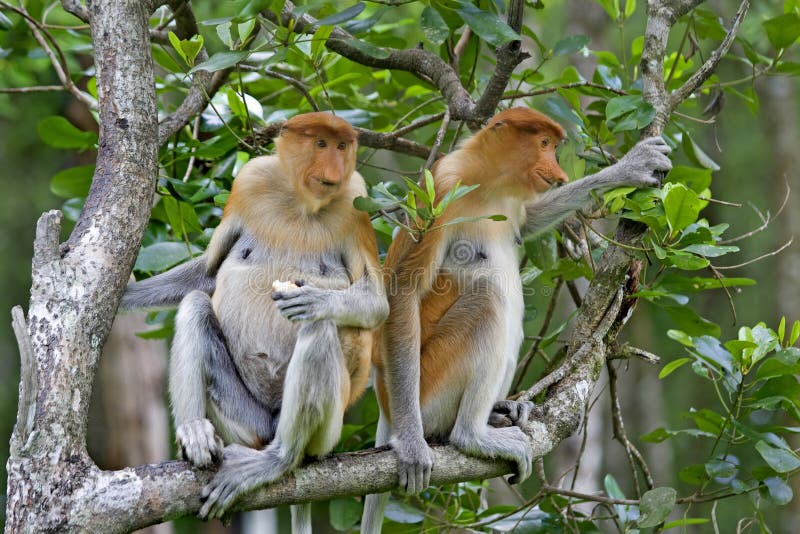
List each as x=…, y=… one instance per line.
x=401, y=371
x=636, y=169
x=361, y=305
x=225, y=235
x=168, y=288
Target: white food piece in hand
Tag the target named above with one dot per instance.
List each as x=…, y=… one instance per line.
x=277, y=285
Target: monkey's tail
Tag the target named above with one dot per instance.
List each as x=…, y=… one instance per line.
x=168, y=288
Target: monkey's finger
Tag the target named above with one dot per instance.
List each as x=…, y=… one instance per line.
x=420, y=478
x=427, y=477
x=404, y=478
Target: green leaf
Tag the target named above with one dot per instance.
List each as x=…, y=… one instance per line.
x=245, y=28
x=72, y=182
x=783, y=30
x=781, y=460
x=400, y=512
x=696, y=179
x=681, y=206
x=795, y=333
x=672, y=366
x=655, y=506
x=486, y=25
x=696, y=154
x=782, y=329
x=366, y=204
x=343, y=16
x=162, y=256
x=344, y=513
x=630, y=8
x=5, y=23
x=176, y=44
x=368, y=48
x=681, y=337
x=570, y=45
x=780, y=492
x=429, y=187
x=613, y=490
x=58, y=132
x=710, y=251
x=224, y=33
x=221, y=60
x=616, y=107
x=434, y=26
x=685, y=522
x=191, y=47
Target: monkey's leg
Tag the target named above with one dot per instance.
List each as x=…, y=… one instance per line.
x=199, y=356
x=315, y=390
x=375, y=504
x=482, y=341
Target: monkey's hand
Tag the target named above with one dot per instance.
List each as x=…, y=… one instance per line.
x=518, y=412
x=198, y=443
x=415, y=460
x=637, y=167
x=305, y=303
x=242, y=470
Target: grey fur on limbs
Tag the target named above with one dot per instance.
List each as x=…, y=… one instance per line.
x=167, y=289
x=310, y=421
x=635, y=169
x=200, y=365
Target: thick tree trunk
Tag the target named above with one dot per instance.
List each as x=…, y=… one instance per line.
x=76, y=289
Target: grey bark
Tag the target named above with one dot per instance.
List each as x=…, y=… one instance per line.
x=75, y=290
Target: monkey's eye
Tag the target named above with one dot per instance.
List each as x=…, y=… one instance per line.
x=545, y=142
x=341, y=146
x=322, y=143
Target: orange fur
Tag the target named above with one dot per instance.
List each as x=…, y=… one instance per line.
x=512, y=159
x=284, y=203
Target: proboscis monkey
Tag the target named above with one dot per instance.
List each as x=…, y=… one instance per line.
x=274, y=367
x=449, y=347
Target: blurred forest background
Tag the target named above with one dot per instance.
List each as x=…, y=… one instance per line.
x=758, y=151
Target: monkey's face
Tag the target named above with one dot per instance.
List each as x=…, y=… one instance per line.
x=330, y=163
x=544, y=170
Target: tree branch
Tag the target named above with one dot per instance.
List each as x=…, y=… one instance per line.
x=703, y=73
x=383, y=140
x=509, y=56
x=204, y=84
x=421, y=63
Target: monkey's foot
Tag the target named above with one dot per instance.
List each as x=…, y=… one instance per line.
x=518, y=412
x=415, y=463
x=243, y=470
x=509, y=443
x=198, y=442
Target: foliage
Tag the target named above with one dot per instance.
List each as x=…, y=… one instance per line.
x=271, y=71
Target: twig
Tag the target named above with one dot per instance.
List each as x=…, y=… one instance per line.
x=190, y=165
x=59, y=63
x=297, y=84
x=702, y=74
x=549, y=90
x=767, y=255
x=419, y=62
x=33, y=89
x=438, y=141
x=719, y=277
x=557, y=375
x=419, y=123
x=619, y=430
x=627, y=351
x=764, y=220
x=548, y=317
